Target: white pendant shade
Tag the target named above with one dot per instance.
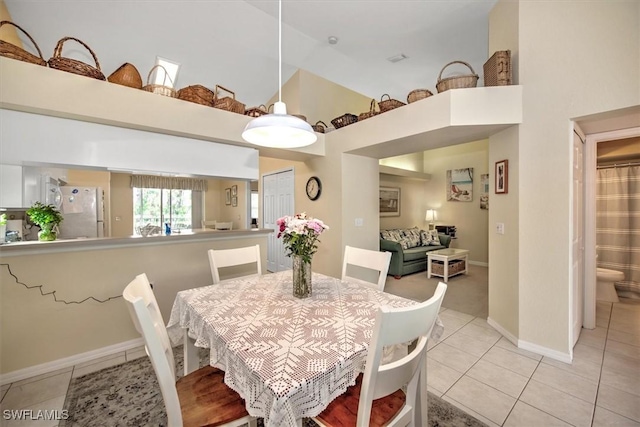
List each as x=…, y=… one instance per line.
x=279, y=130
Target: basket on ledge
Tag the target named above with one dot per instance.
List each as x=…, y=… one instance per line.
x=372, y=112
x=74, y=66
x=14, y=52
x=344, y=120
x=418, y=94
x=319, y=127
x=389, y=104
x=160, y=89
x=258, y=111
x=197, y=94
x=457, y=82
x=126, y=75
x=228, y=103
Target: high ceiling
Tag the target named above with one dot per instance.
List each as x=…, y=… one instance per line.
x=234, y=43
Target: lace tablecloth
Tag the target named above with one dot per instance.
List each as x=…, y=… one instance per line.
x=287, y=357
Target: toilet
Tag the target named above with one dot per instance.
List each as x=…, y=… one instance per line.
x=605, y=284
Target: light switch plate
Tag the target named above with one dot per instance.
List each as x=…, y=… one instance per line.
x=500, y=228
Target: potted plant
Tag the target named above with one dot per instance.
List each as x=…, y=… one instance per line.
x=47, y=217
x=3, y=227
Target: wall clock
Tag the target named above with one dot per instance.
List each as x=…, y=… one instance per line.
x=314, y=188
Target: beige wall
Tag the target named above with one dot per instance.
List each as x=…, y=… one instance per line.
x=470, y=221
x=413, y=162
x=228, y=213
x=34, y=329
x=412, y=202
x=588, y=41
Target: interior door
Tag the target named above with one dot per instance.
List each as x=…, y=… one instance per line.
x=278, y=201
x=577, y=240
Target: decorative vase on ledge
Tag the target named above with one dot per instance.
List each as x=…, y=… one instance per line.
x=47, y=233
x=301, y=277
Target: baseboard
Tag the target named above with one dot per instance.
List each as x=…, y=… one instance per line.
x=547, y=352
x=67, y=362
x=478, y=263
x=534, y=348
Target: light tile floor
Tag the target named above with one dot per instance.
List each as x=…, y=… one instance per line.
x=472, y=367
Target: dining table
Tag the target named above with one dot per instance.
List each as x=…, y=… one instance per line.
x=287, y=357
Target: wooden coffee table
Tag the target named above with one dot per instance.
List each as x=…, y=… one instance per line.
x=453, y=262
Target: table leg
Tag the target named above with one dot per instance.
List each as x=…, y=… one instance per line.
x=428, y=267
x=466, y=264
x=421, y=411
x=191, y=358
x=446, y=270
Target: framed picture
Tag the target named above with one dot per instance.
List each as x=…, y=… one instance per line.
x=234, y=190
x=484, y=191
x=389, y=201
x=460, y=185
x=227, y=199
x=502, y=177
x=234, y=201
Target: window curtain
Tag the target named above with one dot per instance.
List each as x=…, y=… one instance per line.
x=618, y=223
x=170, y=182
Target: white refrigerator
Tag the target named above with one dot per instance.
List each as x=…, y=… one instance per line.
x=83, y=212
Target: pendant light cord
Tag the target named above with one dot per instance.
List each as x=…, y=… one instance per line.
x=279, y=51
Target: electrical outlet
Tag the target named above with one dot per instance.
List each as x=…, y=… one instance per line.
x=359, y=222
x=500, y=228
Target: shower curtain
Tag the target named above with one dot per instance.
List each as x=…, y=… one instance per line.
x=618, y=223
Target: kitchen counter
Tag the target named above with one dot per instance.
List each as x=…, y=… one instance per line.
x=68, y=245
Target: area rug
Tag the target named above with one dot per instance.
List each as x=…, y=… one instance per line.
x=129, y=395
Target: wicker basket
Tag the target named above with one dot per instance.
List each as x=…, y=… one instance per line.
x=197, y=94
x=14, y=52
x=372, y=112
x=160, y=89
x=319, y=127
x=258, y=111
x=73, y=65
x=228, y=103
x=344, y=120
x=457, y=82
x=389, y=104
x=455, y=266
x=418, y=94
x=497, y=70
x=126, y=75
x=300, y=116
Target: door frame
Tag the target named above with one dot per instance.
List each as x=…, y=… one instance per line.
x=590, y=263
x=261, y=191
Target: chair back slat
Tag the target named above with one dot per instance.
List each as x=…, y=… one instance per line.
x=219, y=258
x=372, y=260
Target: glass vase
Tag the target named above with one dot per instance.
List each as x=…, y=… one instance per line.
x=301, y=277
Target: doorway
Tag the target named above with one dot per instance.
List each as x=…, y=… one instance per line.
x=591, y=150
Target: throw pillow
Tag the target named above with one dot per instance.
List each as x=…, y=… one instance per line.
x=425, y=237
x=412, y=235
x=435, y=239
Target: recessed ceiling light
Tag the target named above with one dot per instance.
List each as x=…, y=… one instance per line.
x=397, y=58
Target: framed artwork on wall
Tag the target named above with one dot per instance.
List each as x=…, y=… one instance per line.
x=484, y=192
x=460, y=185
x=389, y=201
x=227, y=198
x=234, y=201
x=234, y=190
x=502, y=177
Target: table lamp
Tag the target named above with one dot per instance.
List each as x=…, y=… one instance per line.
x=431, y=216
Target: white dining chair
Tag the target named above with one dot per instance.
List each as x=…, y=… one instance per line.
x=209, y=224
x=219, y=258
x=197, y=399
x=372, y=260
x=378, y=393
x=224, y=225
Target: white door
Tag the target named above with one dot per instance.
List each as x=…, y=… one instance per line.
x=277, y=201
x=577, y=240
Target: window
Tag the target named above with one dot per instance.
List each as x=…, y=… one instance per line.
x=254, y=204
x=157, y=206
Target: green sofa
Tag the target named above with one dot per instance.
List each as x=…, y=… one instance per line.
x=411, y=260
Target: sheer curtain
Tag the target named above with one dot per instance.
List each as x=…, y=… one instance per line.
x=618, y=223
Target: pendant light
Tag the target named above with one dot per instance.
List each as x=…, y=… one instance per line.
x=279, y=130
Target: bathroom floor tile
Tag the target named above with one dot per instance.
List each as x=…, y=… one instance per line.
x=25, y=395
x=561, y=405
x=566, y=382
x=508, y=345
x=483, y=399
x=526, y=415
x=512, y=361
x=621, y=364
x=452, y=357
x=468, y=344
x=593, y=337
x=586, y=369
x=498, y=377
x=620, y=402
x=604, y=417
x=441, y=377
x=628, y=350
x=53, y=406
x=491, y=336
x=629, y=382
x=588, y=353
x=624, y=337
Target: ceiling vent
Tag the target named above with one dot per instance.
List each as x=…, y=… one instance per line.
x=397, y=58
